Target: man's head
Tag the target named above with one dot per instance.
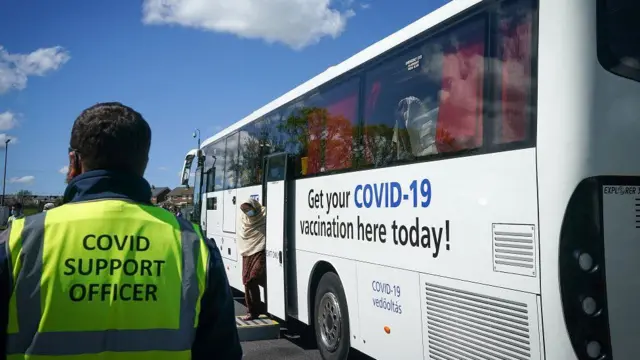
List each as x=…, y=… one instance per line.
x=109, y=136
x=16, y=209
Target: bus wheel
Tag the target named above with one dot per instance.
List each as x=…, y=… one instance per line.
x=331, y=318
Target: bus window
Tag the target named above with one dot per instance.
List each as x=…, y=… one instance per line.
x=277, y=137
x=232, y=165
x=214, y=166
x=337, y=110
x=220, y=162
x=252, y=150
x=619, y=38
x=321, y=129
x=515, y=44
x=304, y=131
x=427, y=99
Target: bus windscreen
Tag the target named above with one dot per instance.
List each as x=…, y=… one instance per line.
x=619, y=37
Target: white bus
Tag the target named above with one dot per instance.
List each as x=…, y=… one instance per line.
x=463, y=189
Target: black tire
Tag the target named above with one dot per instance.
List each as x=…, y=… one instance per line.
x=332, y=336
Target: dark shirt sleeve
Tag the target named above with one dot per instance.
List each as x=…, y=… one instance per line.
x=5, y=291
x=217, y=334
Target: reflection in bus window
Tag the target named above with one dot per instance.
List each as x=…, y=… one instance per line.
x=515, y=43
x=208, y=168
x=277, y=136
x=253, y=142
x=300, y=134
x=321, y=128
x=219, y=166
x=427, y=99
x=232, y=164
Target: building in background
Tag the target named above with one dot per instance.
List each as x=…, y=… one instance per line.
x=159, y=194
x=180, y=196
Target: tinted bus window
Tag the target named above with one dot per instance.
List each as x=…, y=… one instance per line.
x=254, y=143
x=320, y=129
x=619, y=37
x=514, y=73
x=214, y=164
x=232, y=162
x=428, y=99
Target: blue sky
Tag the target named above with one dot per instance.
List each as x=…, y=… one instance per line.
x=196, y=64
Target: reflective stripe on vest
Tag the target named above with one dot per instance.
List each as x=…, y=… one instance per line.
x=28, y=335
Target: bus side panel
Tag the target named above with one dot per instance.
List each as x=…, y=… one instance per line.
x=390, y=313
x=450, y=218
x=214, y=214
x=226, y=242
x=345, y=269
x=234, y=274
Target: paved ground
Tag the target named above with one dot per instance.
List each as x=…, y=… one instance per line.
x=289, y=346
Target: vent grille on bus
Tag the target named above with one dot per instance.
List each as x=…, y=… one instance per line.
x=467, y=325
x=514, y=249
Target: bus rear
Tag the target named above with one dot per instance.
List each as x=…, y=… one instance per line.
x=588, y=177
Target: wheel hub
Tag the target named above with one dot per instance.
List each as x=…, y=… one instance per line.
x=330, y=320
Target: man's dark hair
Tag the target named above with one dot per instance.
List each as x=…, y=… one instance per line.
x=18, y=206
x=112, y=136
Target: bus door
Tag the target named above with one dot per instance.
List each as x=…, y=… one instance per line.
x=274, y=196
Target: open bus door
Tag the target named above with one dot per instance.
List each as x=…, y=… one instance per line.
x=275, y=183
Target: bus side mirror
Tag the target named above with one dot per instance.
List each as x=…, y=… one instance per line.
x=186, y=170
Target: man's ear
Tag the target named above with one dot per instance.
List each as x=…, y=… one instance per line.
x=75, y=168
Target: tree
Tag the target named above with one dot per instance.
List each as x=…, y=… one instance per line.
x=21, y=195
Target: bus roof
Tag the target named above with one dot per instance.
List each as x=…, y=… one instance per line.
x=426, y=22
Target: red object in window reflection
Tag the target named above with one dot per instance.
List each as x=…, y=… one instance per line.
x=460, y=114
x=335, y=126
x=315, y=122
x=339, y=140
x=516, y=77
x=370, y=107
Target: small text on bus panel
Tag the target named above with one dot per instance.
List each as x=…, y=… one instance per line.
x=416, y=232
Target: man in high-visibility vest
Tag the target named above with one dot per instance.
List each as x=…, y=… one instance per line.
x=107, y=275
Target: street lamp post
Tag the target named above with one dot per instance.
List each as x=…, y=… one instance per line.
x=4, y=178
x=196, y=132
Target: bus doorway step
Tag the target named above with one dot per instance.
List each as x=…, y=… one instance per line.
x=262, y=328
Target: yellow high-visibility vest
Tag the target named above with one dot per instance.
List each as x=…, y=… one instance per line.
x=105, y=279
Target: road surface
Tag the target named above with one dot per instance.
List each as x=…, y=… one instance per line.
x=288, y=347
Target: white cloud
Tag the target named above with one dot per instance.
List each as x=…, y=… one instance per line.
x=22, y=180
x=5, y=137
x=8, y=121
x=162, y=168
x=296, y=23
x=15, y=69
x=63, y=170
